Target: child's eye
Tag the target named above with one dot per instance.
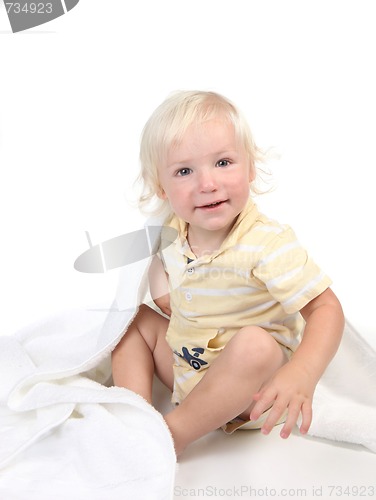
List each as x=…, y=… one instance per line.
x=183, y=171
x=223, y=163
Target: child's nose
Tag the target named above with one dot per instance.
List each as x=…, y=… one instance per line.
x=207, y=182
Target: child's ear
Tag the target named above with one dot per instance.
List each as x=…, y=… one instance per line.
x=161, y=194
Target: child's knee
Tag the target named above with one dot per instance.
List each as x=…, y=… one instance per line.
x=254, y=345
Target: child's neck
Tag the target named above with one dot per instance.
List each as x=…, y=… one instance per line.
x=204, y=242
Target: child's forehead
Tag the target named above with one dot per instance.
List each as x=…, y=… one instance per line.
x=212, y=130
x=211, y=137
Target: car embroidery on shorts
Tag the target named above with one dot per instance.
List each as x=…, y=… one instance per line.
x=193, y=360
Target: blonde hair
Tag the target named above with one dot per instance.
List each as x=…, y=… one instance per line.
x=166, y=128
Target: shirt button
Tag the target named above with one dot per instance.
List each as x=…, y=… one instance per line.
x=221, y=330
x=188, y=296
x=190, y=270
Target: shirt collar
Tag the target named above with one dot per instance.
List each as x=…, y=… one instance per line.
x=244, y=221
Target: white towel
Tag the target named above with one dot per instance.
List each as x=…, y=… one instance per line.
x=344, y=406
x=63, y=432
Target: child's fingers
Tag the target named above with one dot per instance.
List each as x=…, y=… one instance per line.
x=276, y=412
x=292, y=417
x=306, y=417
x=264, y=401
x=294, y=410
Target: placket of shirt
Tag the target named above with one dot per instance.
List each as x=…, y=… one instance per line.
x=192, y=263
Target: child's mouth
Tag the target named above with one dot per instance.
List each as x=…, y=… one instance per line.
x=213, y=205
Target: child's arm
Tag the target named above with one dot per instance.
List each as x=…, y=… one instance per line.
x=158, y=281
x=293, y=385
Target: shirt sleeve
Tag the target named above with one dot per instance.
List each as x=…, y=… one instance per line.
x=290, y=275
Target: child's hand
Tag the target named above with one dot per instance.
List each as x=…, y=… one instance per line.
x=290, y=389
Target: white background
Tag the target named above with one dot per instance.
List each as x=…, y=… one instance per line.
x=76, y=92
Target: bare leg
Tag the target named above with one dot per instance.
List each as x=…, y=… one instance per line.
x=245, y=364
x=142, y=352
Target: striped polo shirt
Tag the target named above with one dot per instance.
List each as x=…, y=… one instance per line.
x=261, y=275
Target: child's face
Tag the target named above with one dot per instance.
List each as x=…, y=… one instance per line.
x=206, y=177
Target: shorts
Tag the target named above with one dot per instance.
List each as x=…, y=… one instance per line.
x=188, y=375
x=245, y=425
